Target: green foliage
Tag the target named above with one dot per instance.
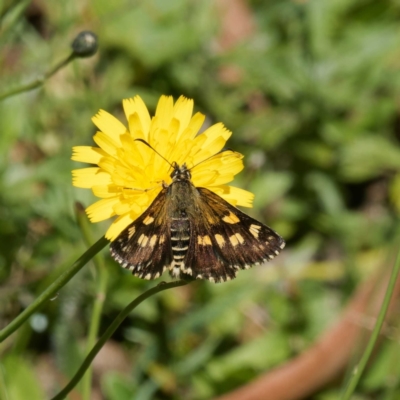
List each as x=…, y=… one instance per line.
x=315, y=111
x=20, y=380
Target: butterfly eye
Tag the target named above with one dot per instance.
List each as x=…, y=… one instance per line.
x=175, y=170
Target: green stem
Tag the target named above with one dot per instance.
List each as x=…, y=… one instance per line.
x=53, y=288
x=358, y=370
x=110, y=330
x=40, y=81
x=94, y=327
x=101, y=291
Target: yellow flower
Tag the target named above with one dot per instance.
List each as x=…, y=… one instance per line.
x=129, y=174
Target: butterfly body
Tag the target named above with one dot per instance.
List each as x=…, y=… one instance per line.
x=193, y=231
x=181, y=210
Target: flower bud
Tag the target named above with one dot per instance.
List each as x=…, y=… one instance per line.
x=85, y=44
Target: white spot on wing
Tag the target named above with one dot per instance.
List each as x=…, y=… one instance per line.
x=131, y=232
x=142, y=241
x=220, y=240
x=231, y=218
x=255, y=230
x=236, y=239
x=153, y=241
x=148, y=220
x=204, y=240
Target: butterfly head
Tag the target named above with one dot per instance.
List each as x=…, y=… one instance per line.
x=180, y=173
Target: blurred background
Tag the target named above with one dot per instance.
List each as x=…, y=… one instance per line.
x=311, y=91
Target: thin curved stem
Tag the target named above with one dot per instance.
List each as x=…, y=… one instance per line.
x=110, y=330
x=53, y=288
x=39, y=81
x=359, y=368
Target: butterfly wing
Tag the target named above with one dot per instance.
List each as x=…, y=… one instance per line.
x=224, y=240
x=144, y=247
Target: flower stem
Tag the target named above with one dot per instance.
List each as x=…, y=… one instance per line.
x=110, y=330
x=358, y=370
x=53, y=288
x=39, y=81
x=101, y=291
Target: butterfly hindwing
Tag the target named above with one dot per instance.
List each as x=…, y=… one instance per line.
x=225, y=240
x=144, y=247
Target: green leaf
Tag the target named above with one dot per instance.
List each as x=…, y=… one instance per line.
x=368, y=157
x=21, y=380
x=269, y=187
x=259, y=354
x=117, y=387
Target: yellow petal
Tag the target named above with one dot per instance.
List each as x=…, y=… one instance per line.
x=164, y=111
x=108, y=124
x=118, y=226
x=212, y=178
x=132, y=150
x=136, y=128
x=203, y=178
x=211, y=141
x=209, y=149
x=109, y=145
x=128, y=174
x=234, y=195
x=102, y=209
x=89, y=177
x=162, y=141
x=215, y=131
x=226, y=163
x=194, y=126
x=87, y=154
x=183, y=110
x=136, y=105
x=231, y=167
x=106, y=191
x=107, y=164
x=122, y=208
x=173, y=130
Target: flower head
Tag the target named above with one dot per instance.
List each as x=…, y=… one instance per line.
x=129, y=174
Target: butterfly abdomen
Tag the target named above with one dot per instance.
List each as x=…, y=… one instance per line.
x=180, y=238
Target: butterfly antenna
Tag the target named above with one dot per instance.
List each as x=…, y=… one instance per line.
x=221, y=151
x=155, y=151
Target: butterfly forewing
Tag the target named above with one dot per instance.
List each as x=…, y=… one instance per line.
x=144, y=247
